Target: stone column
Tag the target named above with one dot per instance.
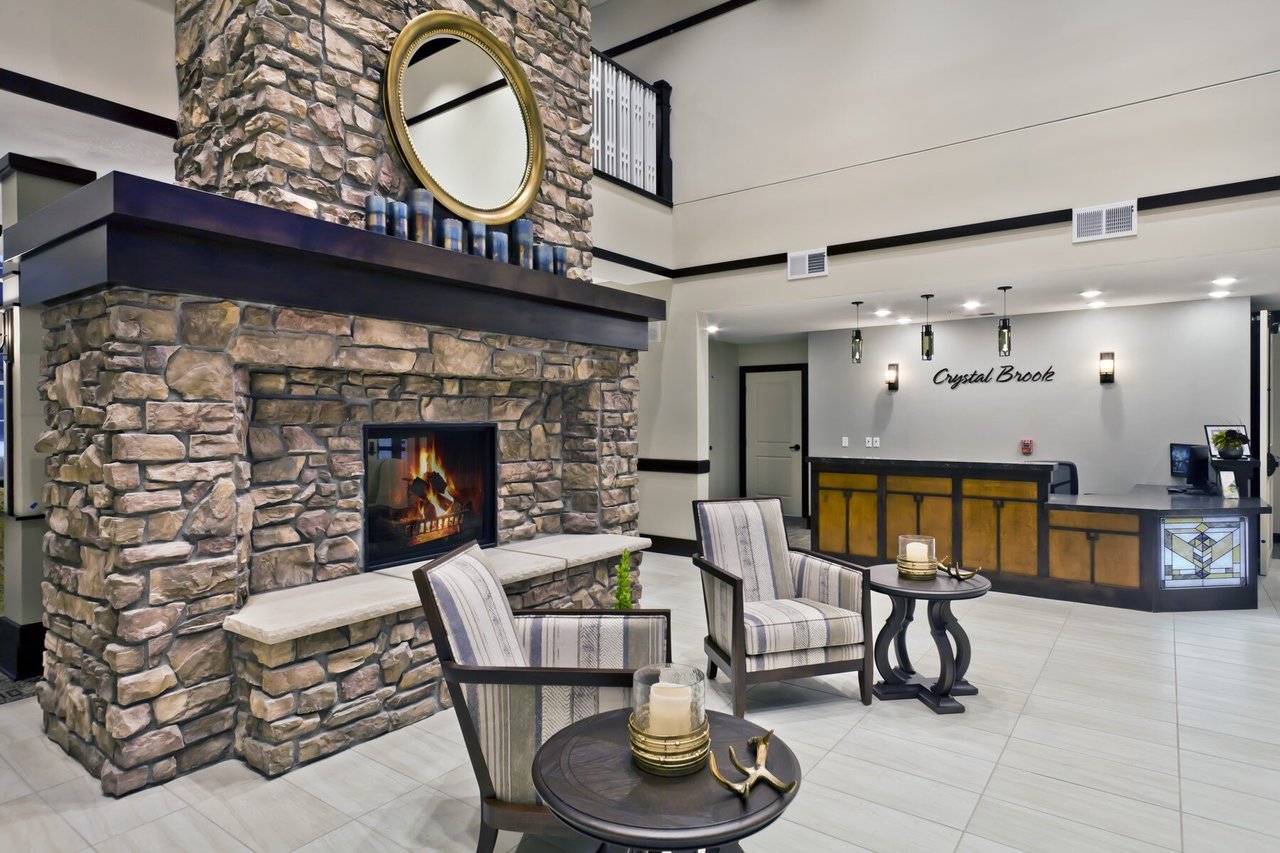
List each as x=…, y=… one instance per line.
x=146, y=549
x=279, y=103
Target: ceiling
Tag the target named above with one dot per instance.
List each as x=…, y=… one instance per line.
x=1166, y=280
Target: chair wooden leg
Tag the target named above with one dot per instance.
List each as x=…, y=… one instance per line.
x=864, y=681
x=488, y=839
x=711, y=669
x=740, y=697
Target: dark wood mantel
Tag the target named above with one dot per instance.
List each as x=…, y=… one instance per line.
x=122, y=230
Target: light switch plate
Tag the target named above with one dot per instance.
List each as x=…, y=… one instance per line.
x=844, y=441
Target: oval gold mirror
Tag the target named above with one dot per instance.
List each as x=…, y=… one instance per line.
x=464, y=117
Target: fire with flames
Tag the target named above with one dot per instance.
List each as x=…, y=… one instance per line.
x=434, y=510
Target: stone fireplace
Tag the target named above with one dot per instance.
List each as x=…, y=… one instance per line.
x=215, y=368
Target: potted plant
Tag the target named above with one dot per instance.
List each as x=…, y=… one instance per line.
x=1230, y=443
x=622, y=597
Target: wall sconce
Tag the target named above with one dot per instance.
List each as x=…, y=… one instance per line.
x=1004, y=332
x=891, y=377
x=1106, y=368
x=926, y=332
x=856, y=341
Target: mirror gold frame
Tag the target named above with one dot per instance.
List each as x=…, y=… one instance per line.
x=444, y=23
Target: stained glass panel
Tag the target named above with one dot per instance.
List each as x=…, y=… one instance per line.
x=1203, y=551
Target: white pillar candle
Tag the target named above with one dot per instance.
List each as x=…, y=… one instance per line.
x=917, y=552
x=670, y=709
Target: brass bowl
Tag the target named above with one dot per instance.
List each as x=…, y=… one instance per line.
x=915, y=570
x=670, y=755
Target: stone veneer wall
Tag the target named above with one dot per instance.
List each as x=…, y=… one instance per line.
x=153, y=502
x=307, y=698
x=279, y=103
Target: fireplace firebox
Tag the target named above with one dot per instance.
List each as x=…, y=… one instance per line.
x=428, y=488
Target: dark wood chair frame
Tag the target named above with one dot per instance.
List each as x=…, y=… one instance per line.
x=498, y=814
x=734, y=661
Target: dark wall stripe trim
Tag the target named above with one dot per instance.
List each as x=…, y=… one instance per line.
x=676, y=466
x=627, y=185
x=671, y=29
x=994, y=226
x=21, y=164
x=61, y=96
x=634, y=263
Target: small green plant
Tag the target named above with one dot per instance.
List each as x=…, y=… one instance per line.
x=1229, y=438
x=623, y=595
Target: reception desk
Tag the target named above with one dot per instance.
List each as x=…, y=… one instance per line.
x=1145, y=549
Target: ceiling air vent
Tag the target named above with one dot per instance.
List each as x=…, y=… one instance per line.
x=1104, y=221
x=807, y=264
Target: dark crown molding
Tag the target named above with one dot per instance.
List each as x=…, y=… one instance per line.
x=12, y=164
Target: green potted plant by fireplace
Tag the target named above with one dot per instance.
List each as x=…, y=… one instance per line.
x=1230, y=443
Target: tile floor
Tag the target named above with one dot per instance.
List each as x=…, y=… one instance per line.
x=1096, y=729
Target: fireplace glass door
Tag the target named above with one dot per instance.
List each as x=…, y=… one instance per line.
x=428, y=488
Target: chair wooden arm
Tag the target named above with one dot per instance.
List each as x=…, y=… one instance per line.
x=718, y=573
x=537, y=675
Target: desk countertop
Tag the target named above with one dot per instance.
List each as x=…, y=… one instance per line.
x=1157, y=501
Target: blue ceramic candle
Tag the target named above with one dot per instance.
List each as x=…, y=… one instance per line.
x=451, y=235
x=498, y=247
x=375, y=214
x=398, y=219
x=560, y=254
x=543, y=257
x=422, y=206
x=475, y=238
x=522, y=242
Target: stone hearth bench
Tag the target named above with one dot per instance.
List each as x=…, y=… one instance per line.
x=328, y=665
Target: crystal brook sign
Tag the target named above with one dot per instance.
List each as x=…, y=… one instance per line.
x=1007, y=373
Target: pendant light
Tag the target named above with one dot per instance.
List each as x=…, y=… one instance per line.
x=1004, y=332
x=856, y=342
x=926, y=332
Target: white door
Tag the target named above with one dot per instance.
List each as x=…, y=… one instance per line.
x=773, y=438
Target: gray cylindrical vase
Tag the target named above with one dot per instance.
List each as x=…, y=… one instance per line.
x=476, y=238
x=451, y=235
x=422, y=205
x=522, y=242
x=498, y=247
x=543, y=257
x=398, y=219
x=375, y=213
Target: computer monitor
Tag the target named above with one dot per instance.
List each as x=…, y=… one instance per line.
x=1180, y=460
x=1199, y=475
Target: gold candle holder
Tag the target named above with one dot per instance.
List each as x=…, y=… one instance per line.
x=668, y=723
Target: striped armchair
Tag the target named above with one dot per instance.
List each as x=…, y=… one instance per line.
x=773, y=612
x=518, y=678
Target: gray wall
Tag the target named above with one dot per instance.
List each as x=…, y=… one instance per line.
x=1178, y=367
x=723, y=361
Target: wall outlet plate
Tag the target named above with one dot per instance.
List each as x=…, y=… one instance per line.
x=868, y=441
x=875, y=442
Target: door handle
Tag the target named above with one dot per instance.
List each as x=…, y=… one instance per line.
x=795, y=447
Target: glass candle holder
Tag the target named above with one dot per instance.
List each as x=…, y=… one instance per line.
x=421, y=212
x=917, y=557
x=560, y=259
x=375, y=214
x=522, y=243
x=451, y=235
x=476, y=238
x=543, y=257
x=498, y=246
x=668, y=725
x=398, y=219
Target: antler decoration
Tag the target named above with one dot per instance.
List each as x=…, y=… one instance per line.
x=955, y=571
x=753, y=774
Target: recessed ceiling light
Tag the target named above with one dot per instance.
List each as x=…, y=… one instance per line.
x=883, y=312
x=712, y=329
x=1223, y=281
x=1097, y=304
x=902, y=321
x=1219, y=294
x=972, y=304
x=1091, y=294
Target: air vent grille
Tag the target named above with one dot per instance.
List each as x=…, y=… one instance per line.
x=1104, y=221
x=806, y=264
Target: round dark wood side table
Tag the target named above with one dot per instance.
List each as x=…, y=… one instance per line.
x=585, y=776
x=902, y=681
